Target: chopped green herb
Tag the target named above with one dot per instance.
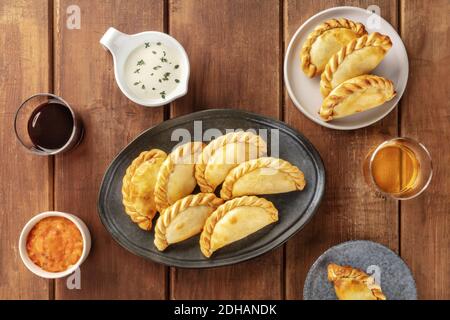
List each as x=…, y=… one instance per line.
x=177, y=81
x=143, y=87
x=176, y=66
x=164, y=53
x=151, y=74
x=153, y=89
x=154, y=52
x=160, y=80
x=166, y=76
x=136, y=83
x=158, y=43
x=147, y=44
x=137, y=70
x=141, y=62
x=157, y=67
x=163, y=94
x=163, y=59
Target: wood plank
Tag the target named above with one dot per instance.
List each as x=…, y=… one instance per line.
x=425, y=221
x=25, y=187
x=235, y=55
x=84, y=77
x=350, y=210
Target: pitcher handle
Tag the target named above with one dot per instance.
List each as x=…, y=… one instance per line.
x=112, y=39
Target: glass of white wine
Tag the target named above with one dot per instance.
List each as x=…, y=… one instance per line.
x=400, y=168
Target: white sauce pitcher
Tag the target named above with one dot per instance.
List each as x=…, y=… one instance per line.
x=122, y=45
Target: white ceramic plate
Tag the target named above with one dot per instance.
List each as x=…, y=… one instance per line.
x=305, y=92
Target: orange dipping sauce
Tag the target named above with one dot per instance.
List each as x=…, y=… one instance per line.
x=55, y=244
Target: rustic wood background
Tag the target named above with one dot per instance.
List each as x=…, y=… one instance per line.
x=236, y=49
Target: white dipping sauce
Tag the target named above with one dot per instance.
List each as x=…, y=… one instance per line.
x=152, y=70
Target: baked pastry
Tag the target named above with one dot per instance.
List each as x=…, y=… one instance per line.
x=327, y=39
x=264, y=175
x=356, y=95
x=138, y=187
x=235, y=220
x=353, y=284
x=225, y=153
x=176, y=177
x=360, y=56
x=184, y=219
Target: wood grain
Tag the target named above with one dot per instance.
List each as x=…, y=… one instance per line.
x=350, y=209
x=25, y=178
x=425, y=116
x=85, y=78
x=235, y=55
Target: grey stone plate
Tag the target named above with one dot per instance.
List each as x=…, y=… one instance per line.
x=295, y=208
x=395, y=277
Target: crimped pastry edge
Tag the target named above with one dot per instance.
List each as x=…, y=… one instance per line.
x=264, y=162
x=308, y=67
x=350, y=86
x=143, y=221
x=372, y=40
x=213, y=146
x=222, y=210
x=167, y=168
x=169, y=214
x=336, y=272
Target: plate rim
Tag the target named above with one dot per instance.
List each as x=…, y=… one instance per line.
x=211, y=263
x=297, y=104
x=316, y=262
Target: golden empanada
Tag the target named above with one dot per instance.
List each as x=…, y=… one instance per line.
x=184, y=219
x=225, y=153
x=235, y=220
x=353, y=284
x=356, y=95
x=358, y=57
x=327, y=39
x=138, y=187
x=176, y=177
x=265, y=175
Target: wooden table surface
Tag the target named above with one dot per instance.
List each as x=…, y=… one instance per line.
x=236, y=50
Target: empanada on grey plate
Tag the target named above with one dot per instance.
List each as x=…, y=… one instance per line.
x=184, y=219
x=223, y=154
x=176, y=176
x=264, y=175
x=353, y=284
x=235, y=220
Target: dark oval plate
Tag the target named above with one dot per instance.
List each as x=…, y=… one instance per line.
x=394, y=276
x=295, y=208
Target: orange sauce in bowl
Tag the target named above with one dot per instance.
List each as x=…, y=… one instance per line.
x=55, y=244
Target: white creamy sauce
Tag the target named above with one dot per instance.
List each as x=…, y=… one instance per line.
x=152, y=70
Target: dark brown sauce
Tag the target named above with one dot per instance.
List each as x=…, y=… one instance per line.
x=50, y=126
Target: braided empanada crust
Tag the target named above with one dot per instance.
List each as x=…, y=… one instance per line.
x=375, y=39
x=244, y=168
x=143, y=219
x=337, y=272
x=221, y=211
x=170, y=213
x=253, y=140
x=354, y=85
x=186, y=154
x=309, y=68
